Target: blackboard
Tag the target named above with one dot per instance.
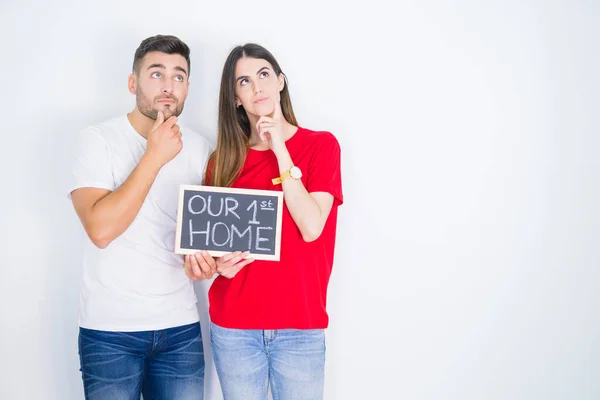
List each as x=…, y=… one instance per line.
x=222, y=220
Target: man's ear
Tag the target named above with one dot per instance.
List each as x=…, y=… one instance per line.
x=131, y=83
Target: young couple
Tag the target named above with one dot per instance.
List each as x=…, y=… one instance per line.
x=139, y=324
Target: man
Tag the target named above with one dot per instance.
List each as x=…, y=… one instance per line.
x=139, y=325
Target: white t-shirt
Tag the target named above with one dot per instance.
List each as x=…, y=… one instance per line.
x=137, y=283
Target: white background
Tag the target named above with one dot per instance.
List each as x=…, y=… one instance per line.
x=467, y=263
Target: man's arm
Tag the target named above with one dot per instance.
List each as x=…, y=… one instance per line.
x=106, y=214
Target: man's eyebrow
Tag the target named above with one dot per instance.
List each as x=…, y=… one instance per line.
x=157, y=66
x=181, y=69
x=178, y=68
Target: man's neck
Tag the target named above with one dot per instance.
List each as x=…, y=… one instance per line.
x=140, y=122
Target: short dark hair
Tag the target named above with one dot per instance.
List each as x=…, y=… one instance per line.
x=168, y=44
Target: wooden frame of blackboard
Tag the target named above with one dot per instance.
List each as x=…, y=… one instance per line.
x=215, y=253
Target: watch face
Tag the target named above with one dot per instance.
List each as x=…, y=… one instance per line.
x=296, y=173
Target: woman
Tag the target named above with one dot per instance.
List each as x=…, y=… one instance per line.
x=268, y=318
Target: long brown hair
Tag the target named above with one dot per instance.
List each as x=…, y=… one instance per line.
x=233, y=129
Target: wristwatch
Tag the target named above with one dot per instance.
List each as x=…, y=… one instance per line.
x=293, y=172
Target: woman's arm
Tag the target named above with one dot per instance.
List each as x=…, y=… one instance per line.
x=308, y=210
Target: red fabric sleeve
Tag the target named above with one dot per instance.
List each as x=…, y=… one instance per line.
x=324, y=171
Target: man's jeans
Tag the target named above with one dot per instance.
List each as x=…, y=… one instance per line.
x=292, y=361
x=165, y=364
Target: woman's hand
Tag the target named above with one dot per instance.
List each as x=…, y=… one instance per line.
x=270, y=129
x=230, y=264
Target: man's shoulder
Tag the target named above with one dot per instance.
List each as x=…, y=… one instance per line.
x=193, y=138
x=108, y=128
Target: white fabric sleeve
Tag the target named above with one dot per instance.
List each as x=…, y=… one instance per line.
x=92, y=165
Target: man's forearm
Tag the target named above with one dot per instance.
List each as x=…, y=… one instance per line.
x=114, y=213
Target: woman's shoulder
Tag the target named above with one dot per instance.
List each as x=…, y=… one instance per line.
x=317, y=136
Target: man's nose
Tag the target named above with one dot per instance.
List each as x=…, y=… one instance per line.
x=167, y=87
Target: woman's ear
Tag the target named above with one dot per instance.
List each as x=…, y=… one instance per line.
x=238, y=103
x=281, y=79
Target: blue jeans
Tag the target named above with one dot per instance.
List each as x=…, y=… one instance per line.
x=292, y=361
x=165, y=364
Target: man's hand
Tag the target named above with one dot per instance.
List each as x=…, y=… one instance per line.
x=164, y=140
x=199, y=266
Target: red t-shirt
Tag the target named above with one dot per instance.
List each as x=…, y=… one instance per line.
x=292, y=292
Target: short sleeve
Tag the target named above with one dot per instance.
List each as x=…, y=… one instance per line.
x=324, y=170
x=91, y=165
